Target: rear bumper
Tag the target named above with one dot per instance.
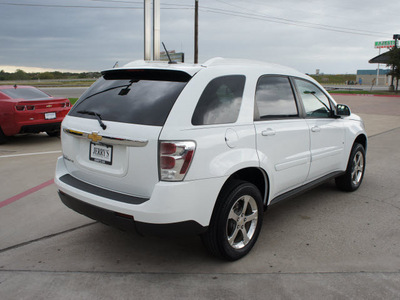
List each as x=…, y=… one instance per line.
x=51, y=127
x=32, y=127
x=172, y=207
x=33, y=122
x=127, y=223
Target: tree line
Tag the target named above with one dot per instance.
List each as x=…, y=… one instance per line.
x=22, y=75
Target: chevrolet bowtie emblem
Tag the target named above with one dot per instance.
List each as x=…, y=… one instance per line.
x=95, y=137
x=48, y=106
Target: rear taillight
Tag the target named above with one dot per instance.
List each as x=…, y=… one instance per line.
x=175, y=159
x=66, y=104
x=24, y=107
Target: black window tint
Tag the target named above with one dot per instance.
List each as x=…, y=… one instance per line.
x=220, y=101
x=316, y=103
x=146, y=102
x=274, y=97
x=25, y=93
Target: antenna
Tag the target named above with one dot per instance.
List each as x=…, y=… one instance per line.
x=169, y=58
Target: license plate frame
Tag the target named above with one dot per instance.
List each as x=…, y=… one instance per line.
x=101, y=153
x=50, y=116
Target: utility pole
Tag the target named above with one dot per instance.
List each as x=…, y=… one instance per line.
x=147, y=30
x=196, y=31
x=156, y=29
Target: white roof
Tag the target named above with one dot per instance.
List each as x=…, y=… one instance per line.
x=260, y=66
x=217, y=62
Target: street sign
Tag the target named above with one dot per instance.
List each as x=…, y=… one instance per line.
x=385, y=44
x=175, y=56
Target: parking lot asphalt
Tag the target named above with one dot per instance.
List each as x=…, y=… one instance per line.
x=324, y=244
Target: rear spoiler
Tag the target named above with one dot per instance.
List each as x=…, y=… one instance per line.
x=146, y=74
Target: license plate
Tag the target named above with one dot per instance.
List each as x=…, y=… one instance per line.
x=101, y=153
x=50, y=116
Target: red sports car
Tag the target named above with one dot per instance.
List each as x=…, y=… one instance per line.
x=26, y=109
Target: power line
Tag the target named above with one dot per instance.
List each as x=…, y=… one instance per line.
x=297, y=21
x=69, y=6
x=248, y=15
x=169, y=6
x=141, y=2
x=289, y=21
x=118, y=1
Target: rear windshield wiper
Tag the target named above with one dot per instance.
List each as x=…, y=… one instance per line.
x=123, y=92
x=92, y=113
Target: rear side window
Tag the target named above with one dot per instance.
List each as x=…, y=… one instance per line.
x=220, y=101
x=274, y=98
x=25, y=93
x=135, y=101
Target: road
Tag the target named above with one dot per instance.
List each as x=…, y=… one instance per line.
x=324, y=244
x=68, y=92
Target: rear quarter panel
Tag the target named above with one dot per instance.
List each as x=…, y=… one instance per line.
x=213, y=156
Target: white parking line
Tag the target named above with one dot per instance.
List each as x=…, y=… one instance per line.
x=30, y=154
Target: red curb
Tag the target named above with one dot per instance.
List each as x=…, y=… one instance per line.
x=26, y=193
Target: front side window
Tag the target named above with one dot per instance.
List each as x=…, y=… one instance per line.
x=316, y=103
x=274, y=98
x=220, y=101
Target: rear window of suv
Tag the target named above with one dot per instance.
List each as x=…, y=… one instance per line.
x=140, y=97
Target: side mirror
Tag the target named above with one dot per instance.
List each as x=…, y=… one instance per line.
x=343, y=110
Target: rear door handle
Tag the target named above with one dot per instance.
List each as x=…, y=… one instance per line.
x=315, y=129
x=268, y=132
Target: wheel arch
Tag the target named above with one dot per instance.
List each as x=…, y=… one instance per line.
x=361, y=139
x=254, y=175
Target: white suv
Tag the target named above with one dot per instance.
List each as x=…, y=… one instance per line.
x=203, y=149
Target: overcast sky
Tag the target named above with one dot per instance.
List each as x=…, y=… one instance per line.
x=335, y=36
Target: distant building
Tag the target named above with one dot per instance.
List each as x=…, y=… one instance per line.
x=370, y=76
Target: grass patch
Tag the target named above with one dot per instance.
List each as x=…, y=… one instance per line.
x=73, y=100
x=364, y=92
x=85, y=83
x=334, y=79
x=352, y=92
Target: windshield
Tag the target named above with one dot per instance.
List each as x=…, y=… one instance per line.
x=135, y=101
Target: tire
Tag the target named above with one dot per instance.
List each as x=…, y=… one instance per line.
x=3, y=138
x=55, y=133
x=351, y=180
x=236, y=221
